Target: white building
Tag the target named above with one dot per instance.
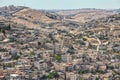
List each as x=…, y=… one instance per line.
x=67, y=58
x=15, y=77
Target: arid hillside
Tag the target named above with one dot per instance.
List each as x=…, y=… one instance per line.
x=45, y=45
x=84, y=15
x=38, y=18
x=25, y=16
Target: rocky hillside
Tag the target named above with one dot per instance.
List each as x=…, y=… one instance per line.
x=105, y=22
x=85, y=15
x=40, y=45
x=39, y=18
x=26, y=16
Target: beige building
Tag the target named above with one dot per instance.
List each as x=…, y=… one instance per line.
x=41, y=65
x=67, y=58
x=71, y=76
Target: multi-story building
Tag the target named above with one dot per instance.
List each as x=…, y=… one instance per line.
x=67, y=58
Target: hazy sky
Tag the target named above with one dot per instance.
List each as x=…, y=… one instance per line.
x=63, y=4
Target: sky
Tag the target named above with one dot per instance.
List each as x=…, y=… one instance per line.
x=63, y=4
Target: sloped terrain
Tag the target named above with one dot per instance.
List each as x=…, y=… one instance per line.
x=85, y=15
x=41, y=45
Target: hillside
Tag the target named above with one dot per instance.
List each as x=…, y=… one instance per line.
x=26, y=16
x=41, y=44
x=85, y=15
x=38, y=18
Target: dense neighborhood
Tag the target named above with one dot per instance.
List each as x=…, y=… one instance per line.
x=59, y=50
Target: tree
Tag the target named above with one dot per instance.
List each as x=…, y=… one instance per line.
x=110, y=67
x=0, y=57
x=71, y=49
x=3, y=31
x=81, y=42
x=8, y=27
x=57, y=57
x=119, y=36
x=44, y=77
x=90, y=46
x=81, y=78
x=52, y=75
x=11, y=39
x=15, y=57
x=31, y=53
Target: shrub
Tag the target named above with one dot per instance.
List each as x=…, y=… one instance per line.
x=57, y=57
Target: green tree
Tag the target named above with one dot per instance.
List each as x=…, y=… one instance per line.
x=15, y=57
x=52, y=75
x=3, y=31
x=8, y=27
x=57, y=57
